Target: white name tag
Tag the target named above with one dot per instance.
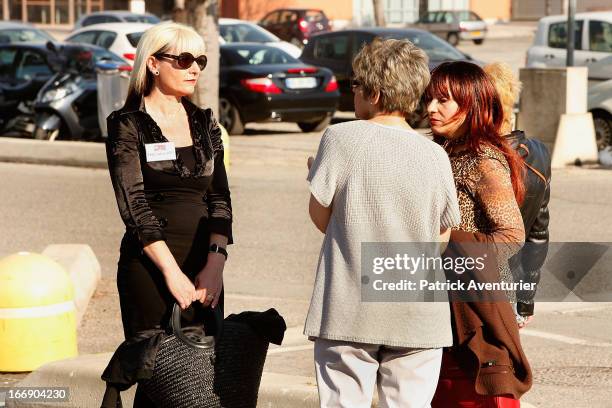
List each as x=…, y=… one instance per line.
x=160, y=151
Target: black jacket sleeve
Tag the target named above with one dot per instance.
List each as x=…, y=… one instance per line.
x=123, y=155
x=533, y=254
x=218, y=193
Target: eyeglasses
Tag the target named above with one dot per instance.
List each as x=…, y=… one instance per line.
x=185, y=59
x=355, y=84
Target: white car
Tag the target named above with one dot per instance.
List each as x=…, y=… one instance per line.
x=233, y=31
x=600, y=105
x=120, y=38
x=593, y=40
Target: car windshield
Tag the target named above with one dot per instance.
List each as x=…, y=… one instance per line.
x=233, y=33
x=17, y=35
x=141, y=19
x=435, y=48
x=313, y=16
x=133, y=38
x=253, y=55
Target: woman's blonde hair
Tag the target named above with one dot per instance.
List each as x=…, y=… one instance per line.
x=167, y=37
x=508, y=88
x=397, y=69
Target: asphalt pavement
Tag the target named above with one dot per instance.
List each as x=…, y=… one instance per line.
x=273, y=261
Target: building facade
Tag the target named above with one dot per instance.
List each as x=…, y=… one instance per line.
x=343, y=13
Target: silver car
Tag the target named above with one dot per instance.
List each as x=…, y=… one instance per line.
x=115, y=16
x=453, y=26
x=592, y=43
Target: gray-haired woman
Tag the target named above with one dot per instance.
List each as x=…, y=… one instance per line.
x=378, y=180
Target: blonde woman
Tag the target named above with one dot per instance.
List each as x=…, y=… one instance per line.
x=165, y=158
x=378, y=180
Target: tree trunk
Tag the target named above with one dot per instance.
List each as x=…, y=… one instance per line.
x=202, y=15
x=423, y=7
x=379, y=12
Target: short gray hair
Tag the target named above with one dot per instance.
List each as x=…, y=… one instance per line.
x=397, y=69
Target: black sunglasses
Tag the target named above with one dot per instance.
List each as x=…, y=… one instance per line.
x=185, y=59
x=355, y=84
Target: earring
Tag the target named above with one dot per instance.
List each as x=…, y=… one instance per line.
x=156, y=72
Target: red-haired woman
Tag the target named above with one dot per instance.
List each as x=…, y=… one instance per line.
x=486, y=366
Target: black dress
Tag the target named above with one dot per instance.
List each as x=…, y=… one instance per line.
x=178, y=201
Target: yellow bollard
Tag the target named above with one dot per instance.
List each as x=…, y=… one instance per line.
x=37, y=312
x=226, y=147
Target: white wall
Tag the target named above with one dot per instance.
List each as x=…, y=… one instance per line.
x=449, y=5
x=363, y=13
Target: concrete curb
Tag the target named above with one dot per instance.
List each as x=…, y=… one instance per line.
x=83, y=268
x=82, y=376
x=64, y=153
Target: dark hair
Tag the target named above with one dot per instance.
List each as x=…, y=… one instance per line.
x=468, y=85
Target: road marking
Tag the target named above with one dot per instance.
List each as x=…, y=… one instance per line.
x=563, y=339
x=290, y=349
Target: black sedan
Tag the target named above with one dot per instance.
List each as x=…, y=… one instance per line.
x=262, y=83
x=336, y=50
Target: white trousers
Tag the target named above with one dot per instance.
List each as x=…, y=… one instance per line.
x=347, y=372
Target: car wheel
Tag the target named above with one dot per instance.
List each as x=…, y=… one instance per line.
x=603, y=130
x=315, y=126
x=229, y=117
x=452, y=39
x=479, y=41
x=295, y=41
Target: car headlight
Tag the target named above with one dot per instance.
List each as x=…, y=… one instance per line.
x=59, y=93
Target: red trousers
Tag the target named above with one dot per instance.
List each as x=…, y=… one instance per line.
x=456, y=389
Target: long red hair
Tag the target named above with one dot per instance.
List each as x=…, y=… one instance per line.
x=479, y=104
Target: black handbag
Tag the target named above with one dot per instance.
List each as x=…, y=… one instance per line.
x=199, y=371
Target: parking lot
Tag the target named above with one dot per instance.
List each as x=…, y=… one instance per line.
x=272, y=263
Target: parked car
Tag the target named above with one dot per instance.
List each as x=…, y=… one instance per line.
x=16, y=32
x=453, y=26
x=593, y=41
x=295, y=25
x=262, y=83
x=233, y=30
x=119, y=38
x=600, y=105
x=336, y=50
x=115, y=16
x=52, y=84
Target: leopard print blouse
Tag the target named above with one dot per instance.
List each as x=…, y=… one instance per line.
x=487, y=202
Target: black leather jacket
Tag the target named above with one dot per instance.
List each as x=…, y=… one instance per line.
x=129, y=128
x=527, y=263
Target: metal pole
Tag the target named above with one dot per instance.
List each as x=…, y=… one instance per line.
x=571, y=9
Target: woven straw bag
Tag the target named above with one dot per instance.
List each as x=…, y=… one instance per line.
x=193, y=370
